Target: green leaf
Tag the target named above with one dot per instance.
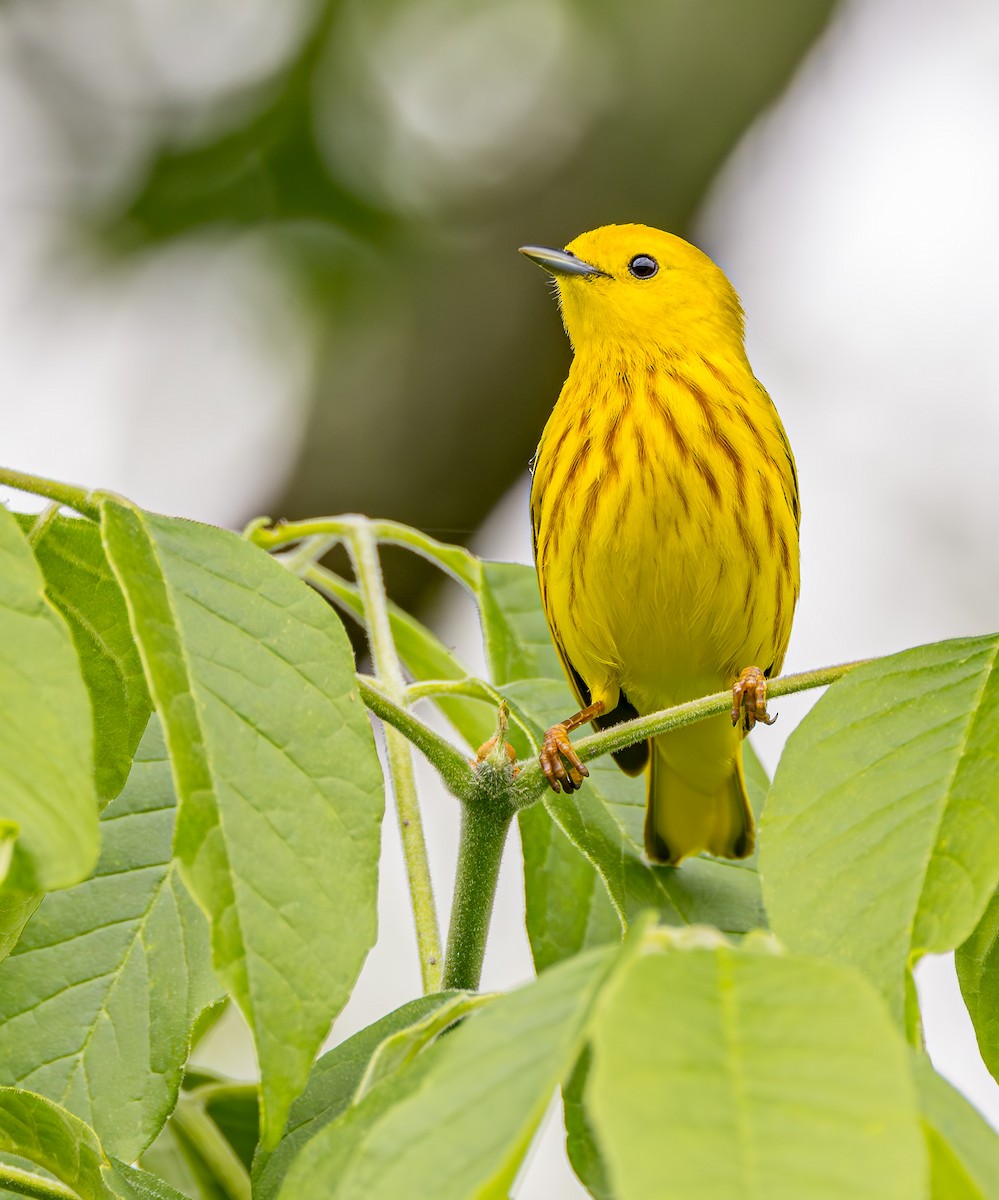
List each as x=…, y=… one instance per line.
x=15, y=910
x=575, y=912
x=948, y=1178
x=977, y=962
x=46, y=757
x=276, y=772
x=98, y=999
x=580, y=1139
x=459, y=1120
x=518, y=644
x=880, y=839
x=35, y=1129
x=131, y=1183
x=567, y=906
x=604, y=821
x=401, y=1048
x=964, y=1150
x=332, y=1086
x=79, y=582
x=720, y=1074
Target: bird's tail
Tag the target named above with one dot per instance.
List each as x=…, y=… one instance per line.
x=697, y=795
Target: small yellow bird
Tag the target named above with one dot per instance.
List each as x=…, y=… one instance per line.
x=665, y=514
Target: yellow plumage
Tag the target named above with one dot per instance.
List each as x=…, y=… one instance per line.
x=665, y=514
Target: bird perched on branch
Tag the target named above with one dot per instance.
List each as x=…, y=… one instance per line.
x=665, y=515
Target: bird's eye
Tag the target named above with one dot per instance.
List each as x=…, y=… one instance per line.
x=643, y=266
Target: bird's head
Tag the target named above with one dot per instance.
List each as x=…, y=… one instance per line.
x=623, y=284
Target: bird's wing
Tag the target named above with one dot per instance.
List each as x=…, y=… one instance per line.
x=789, y=472
x=632, y=759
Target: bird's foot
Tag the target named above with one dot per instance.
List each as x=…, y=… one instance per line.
x=556, y=752
x=749, y=699
x=562, y=766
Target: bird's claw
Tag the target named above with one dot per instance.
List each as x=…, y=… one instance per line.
x=556, y=752
x=749, y=699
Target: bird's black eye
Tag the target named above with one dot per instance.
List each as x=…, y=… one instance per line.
x=643, y=266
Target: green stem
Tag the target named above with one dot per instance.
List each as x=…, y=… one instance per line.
x=213, y=1148
x=62, y=493
x=26, y=1183
x=308, y=553
x=367, y=569
x=531, y=783
x=452, y=765
x=224, y=1089
x=414, y=849
x=484, y=827
x=473, y=689
x=456, y=560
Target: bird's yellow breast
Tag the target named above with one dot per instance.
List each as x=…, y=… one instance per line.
x=665, y=517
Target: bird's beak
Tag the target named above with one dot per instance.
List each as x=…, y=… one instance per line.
x=559, y=262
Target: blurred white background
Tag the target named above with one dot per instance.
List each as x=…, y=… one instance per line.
x=858, y=221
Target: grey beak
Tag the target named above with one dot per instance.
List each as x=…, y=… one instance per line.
x=559, y=262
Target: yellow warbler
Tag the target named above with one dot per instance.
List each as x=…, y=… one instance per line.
x=665, y=514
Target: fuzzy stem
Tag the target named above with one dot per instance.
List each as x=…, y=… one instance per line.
x=367, y=569
x=451, y=764
x=26, y=1183
x=474, y=689
x=456, y=560
x=306, y=555
x=212, y=1146
x=531, y=783
x=61, y=493
x=484, y=827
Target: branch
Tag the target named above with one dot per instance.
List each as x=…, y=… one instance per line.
x=485, y=821
x=213, y=1148
x=26, y=1183
x=531, y=783
x=308, y=553
x=474, y=689
x=480, y=851
x=74, y=497
x=455, y=560
x=447, y=759
x=385, y=658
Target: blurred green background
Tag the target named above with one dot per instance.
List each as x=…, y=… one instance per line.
x=385, y=160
